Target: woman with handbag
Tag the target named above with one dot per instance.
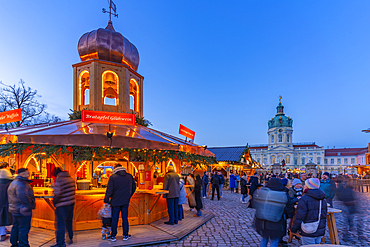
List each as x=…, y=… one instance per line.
x=310, y=218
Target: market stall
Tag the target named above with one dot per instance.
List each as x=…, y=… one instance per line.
x=84, y=150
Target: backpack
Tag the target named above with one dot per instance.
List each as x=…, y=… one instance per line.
x=269, y=204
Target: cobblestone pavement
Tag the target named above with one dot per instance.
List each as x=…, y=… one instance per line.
x=232, y=225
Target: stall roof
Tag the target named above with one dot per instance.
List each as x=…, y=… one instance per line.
x=227, y=153
x=78, y=133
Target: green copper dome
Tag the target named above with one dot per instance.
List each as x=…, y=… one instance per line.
x=280, y=120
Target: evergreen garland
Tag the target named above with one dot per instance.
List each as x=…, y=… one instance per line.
x=99, y=153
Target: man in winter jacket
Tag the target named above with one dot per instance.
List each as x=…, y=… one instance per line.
x=21, y=202
x=121, y=187
x=215, y=181
x=328, y=186
x=205, y=184
x=308, y=212
x=222, y=181
x=5, y=180
x=171, y=182
x=64, y=202
x=232, y=183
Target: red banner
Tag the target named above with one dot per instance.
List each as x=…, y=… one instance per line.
x=11, y=116
x=186, y=132
x=108, y=117
x=148, y=176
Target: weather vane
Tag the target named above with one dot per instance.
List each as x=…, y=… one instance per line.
x=112, y=10
x=280, y=98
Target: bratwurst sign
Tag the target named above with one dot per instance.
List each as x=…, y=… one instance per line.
x=108, y=117
x=11, y=116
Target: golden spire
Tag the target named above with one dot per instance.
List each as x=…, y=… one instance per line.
x=280, y=98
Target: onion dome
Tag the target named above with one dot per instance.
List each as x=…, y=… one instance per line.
x=107, y=44
x=280, y=120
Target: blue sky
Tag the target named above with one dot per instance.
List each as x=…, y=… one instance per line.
x=216, y=67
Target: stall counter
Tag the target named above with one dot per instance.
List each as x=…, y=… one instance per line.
x=145, y=207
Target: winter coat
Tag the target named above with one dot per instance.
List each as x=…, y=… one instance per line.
x=182, y=198
x=329, y=188
x=232, y=181
x=105, y=211
x=307, y=212
x=215, y=180
x=121, y=187
x=197, y=192
x=21, y=197
x=171, y=182
x=222, y=179
x=295, y=193
x=243, y=185
x=269, y=229
x=237, y=180
x=253, y=181
x=205, y=179
x=289, y=210
x=64, y=190
x=5, y=180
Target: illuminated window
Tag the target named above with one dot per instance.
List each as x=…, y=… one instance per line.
x=352, y=160
x=339, y=160
x=134, y=93
x=110, y=88
x=287, y=158
x=84, y=88
x=272, y=159
x=345, y=161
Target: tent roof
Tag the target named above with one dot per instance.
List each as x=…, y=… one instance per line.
x=78, y=133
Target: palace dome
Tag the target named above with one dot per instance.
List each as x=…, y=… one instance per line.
x=280, y=120
x=107, y=44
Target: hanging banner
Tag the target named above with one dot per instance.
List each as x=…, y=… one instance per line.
x=186, y=132
x=11, y=116
x=108, y=117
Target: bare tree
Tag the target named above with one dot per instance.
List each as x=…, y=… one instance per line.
x=19, y=96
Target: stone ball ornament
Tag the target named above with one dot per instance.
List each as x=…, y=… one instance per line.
x=109, y=45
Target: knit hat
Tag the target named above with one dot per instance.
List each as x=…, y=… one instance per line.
x=284, y=181
x=327, y=174
x=296, y=181
x=312, y=183
x=21, y=170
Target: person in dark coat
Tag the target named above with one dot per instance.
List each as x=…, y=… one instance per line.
x=198, y=197
x=64, y=202
x=121, y=187
x=253, y=182
x=171, y=182
x=232, y=183
x=21, y=203
x=308, y=212
x=328, y=186
x=269, y=230
x=244, y=189
x=222, y=181
x=215, y=181
x=205, y=183
x=5, y=180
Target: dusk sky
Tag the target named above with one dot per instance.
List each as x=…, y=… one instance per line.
x=217, y=67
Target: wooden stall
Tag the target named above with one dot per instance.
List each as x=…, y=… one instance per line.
x=89, y=156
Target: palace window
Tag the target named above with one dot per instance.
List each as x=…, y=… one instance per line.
x=332, y=161
x=272, y=139
x=318, y=160
x=280, y=138
x=339, y=160
x=272, y=159
x=287, y=159
x=345, y=160
x=303, y=161
x=352, y=160
x=287, y=138
x=325, y=161
x=295, y=161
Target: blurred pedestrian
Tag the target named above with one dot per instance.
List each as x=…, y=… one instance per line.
x=222, y=181
x=182, y=199
x=237, y=181
x=171, y=183
x=64, y=202
x=232, y=183
x=311, y=208
x=198, y=196
x=303, y=178
x=270, y=203
x=254, y=185
x=328, y=186
x=205, y=184
x=21, y=203
x=5, y=179
x=105, y=213
x=244, y=189
x=215, y=181
x=190, y=191
x=121, y=187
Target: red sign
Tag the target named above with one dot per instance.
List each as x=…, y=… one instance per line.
x=186, y=132
x=148, y=176
x=108, y=117
x=10, y=116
